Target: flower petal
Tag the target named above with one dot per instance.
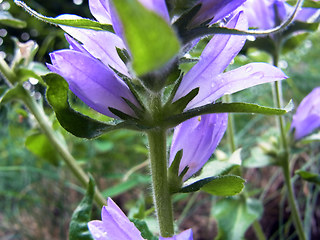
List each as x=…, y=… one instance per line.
x=158, y=6
x=307, y=117
x=100, y=44
x=94, y=83
x=97, y=230
x=185, y=235
x=214, y=59
x=198, y=137
x=100, y=10
x=236, y=80
x=117, y=224
x=215, y=10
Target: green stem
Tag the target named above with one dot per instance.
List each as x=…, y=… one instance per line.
x=161, y=195
x=284, y=157
x=43, y=121
x=230, y=129
x=258, y=230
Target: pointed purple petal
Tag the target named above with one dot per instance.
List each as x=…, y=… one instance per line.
x=97, y=230
x=307, y=117
x=100, y=10
x=100, y=44
x=236, y=80
x=94, y=83
x=198, y=137
x=215, y=10
x=214, y=59
x=185, y=235
x=117, y=224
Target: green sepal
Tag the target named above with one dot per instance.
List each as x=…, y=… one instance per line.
x=124, y=55
x=308, y=176
x=175, y=180
x=179, y=105
x=235, y=215
x=8, y=20
x=147, y=35
x=226, y=107
x=79, y=23
x=71, y=120
x=183, y=21
x=40, y=146
x=226, y=185
x=143, y=228
x=78, y=228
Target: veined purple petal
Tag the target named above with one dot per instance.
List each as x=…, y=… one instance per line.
x=236, y=80
x=98, y=230
x=185, y=235
x=100, y=10
x=307, y=117
x=114, y=225
x=198, y=137
x=94, y=83
x=215, y=10
x=101, y=44
x=214, y=59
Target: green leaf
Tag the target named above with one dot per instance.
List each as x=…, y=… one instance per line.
x=24, y=74
x=71, y=120
x=80, y=23
x=311, y=138
x=234, y=216
x=78, y=228
x=308, y=176
x=15, y=93
x=226, y=107
x=8, y=20
x=306, y=3
x=40, y=146
x=151, y=40
x=143, y=228
x=226, y=185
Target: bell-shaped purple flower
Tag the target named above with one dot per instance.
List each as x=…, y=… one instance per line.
x=266, y=14
x=214, y=10
x=116, y=226
x=208, y=73
x=307, y=117
x=90, y=79
x=198, y=138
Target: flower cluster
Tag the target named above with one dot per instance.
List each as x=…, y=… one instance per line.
x=92, y=67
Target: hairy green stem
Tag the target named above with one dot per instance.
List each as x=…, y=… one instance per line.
x=43, y=121
x=162, y=198
x=284, y=153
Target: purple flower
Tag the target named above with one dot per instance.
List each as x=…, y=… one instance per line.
x=214, y=10
x=198, y=137
x=208, y=73
x=307, y=117
x=116, y=226
x=266, y=14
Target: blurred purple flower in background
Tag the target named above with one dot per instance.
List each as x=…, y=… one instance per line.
x=266, y=14
x=307, y=116
x=116, y=226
